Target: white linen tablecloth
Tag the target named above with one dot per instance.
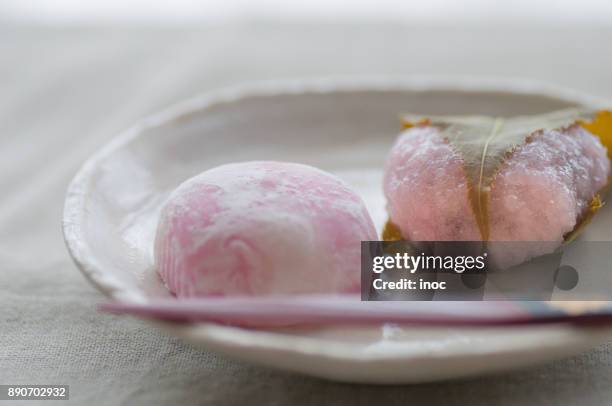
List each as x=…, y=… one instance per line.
x=64, y=92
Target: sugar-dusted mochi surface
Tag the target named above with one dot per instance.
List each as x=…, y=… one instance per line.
x=426, y=189
x=261, y=228
x=538, y=194
x=543, y=190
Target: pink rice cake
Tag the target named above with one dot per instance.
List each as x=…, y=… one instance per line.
x=544, y=189
x=426, y=189
x=262, y=228
x=539, y=193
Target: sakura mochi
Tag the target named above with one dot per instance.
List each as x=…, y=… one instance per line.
x=262, y=228
x=473, y=178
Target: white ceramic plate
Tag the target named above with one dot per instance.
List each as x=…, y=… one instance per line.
x=343, y=126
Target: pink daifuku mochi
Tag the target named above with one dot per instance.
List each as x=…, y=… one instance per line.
x=539, y=193
x=261, y=228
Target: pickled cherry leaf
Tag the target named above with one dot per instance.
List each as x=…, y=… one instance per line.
x=601, y=126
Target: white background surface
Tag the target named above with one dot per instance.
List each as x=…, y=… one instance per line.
x=181, y=11
x=65, y=91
